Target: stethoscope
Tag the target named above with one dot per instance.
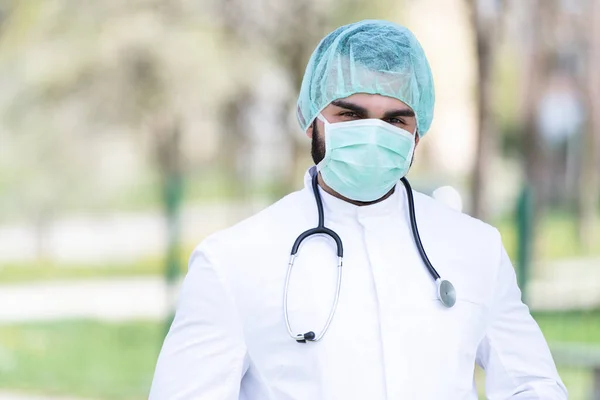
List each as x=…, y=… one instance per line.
x=445, y=290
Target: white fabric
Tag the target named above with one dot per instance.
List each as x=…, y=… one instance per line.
x=390, y=337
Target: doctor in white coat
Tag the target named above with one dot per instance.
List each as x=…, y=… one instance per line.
x=366, y=100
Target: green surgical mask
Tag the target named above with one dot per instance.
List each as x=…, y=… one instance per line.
x=365, y=158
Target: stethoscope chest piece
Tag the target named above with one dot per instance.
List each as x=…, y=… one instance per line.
x=446, y=292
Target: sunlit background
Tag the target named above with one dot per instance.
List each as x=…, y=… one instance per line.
x=131, y=129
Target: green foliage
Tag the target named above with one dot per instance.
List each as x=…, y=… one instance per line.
x=508, y=101
x=564, y=327
x=40, y=271
x=83, y=88
x=81, y=358
x=43, y=270
x=572, y=326
x=557, y=238
x=116, y=361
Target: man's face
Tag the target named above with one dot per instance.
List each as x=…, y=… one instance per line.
x=361, y=106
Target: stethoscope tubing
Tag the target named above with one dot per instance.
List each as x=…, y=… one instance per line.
x=415, y=230
x=446, y=292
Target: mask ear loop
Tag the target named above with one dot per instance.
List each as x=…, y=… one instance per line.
x=414, y=147
x=321, y=118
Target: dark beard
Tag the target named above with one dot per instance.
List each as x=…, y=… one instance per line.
x=317, y=145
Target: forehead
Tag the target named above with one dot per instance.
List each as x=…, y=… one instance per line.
x=375, y=102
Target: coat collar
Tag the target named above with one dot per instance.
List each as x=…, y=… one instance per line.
x=339, y=209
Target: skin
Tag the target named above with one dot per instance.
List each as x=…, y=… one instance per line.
x=355, y=107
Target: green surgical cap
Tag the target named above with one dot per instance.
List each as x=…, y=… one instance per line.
x=371, y=56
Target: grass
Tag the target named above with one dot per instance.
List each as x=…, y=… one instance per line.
x=80, y=358
x=557, y=238
x=571, y=326
x=576, y=327
x=41, y=271
x=578, y=381
x=116, y=361
x=47, y=270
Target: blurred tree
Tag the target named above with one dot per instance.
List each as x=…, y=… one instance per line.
x=3, y=12
x=486, y=16
x=234, y=143
x=44, y=177
x=561, y=82
x=160, y=122
x=531, y=52
x=589, y=188
x=74, y=76
x=288, y=36
x=560, y=39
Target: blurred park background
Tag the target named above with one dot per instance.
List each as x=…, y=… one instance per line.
x=130, y=130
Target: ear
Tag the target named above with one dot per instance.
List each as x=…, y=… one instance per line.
x=417, y=138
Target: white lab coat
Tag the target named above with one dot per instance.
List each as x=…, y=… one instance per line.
x=390, y=337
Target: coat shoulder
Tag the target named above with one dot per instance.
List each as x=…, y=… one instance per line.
x=446, y=217
x=461, y=237
x=465, y=249
x=262, y=229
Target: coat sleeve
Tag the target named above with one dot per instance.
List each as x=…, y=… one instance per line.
x=204, y=354
x=514, y=353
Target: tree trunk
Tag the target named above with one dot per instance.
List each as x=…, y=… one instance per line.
x=485, y=31
x=296, y=53
x=166, y=132
x=532, y=82
x=233, y=147
x=590, y=162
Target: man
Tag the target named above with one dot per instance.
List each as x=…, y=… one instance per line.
x=366, y=100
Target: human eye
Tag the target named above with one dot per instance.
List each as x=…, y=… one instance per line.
x=349, y=115
x=395, y=121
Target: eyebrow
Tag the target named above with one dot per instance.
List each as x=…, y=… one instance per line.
x=350, y=106
x=403, y=112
